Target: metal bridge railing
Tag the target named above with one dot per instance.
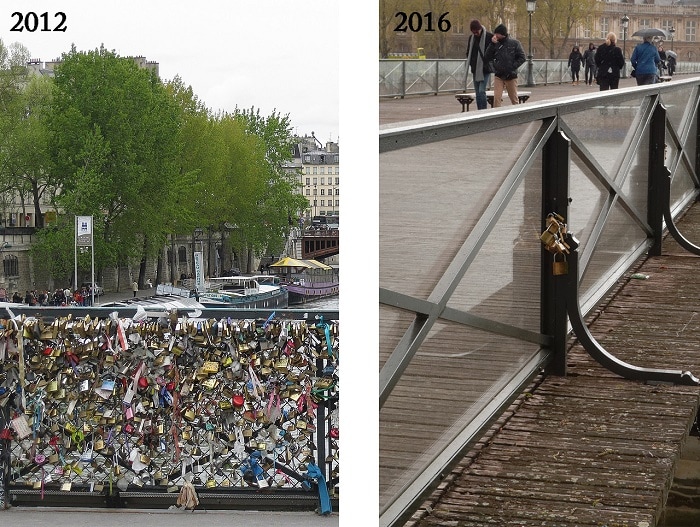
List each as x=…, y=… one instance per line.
x=401, y=78
x=127, y=407
x=469, y=311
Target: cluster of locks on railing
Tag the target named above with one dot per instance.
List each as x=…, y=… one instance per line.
x=114, y=403
x=553, y=240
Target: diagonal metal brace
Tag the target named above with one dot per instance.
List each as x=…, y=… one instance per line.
x=592, y=346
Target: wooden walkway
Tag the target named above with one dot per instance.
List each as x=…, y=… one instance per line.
x=591, y=448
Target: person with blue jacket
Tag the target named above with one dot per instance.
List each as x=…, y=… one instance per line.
x=645, y=60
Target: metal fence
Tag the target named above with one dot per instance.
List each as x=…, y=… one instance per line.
x=469, y=312
x=401, y=78
x=124, y=409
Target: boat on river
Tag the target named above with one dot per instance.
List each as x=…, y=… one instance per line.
x=244, y=292
x=306, y=280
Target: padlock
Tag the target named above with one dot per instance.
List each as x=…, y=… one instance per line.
x=560, y=267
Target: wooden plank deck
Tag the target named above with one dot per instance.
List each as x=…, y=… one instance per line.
x=593, y=448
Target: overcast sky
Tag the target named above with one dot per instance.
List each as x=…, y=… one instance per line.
x=271, y=54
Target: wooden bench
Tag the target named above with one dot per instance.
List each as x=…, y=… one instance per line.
x=465, y=99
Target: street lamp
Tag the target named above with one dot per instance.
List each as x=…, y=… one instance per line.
x=625, y=23
x=531, y=5
x=672, y=30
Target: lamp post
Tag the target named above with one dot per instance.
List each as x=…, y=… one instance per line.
x=625, y=23
x=3, y=246
x=530, y=5
x=672, y=31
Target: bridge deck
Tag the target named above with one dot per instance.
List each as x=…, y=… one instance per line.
x=592, y=448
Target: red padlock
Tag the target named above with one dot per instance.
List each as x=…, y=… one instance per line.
x=333, y=432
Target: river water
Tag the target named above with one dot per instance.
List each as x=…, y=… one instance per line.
x=328, y=303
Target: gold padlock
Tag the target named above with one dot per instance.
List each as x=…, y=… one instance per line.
x=560, y=267
x=210, y=367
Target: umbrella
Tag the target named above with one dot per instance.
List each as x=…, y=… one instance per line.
x=650, y=32
x=672, y=54
x=291, y=262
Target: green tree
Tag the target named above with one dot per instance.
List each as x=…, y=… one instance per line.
x=273, y=194
x=26, y=170
x=114, y=143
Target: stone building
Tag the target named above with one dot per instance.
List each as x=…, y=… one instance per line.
x=680, y=18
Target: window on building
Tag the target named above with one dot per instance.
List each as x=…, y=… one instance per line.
x=644, y=23
x=337, y=181
x=307, y=158
x=315, y=192
x=315, y=181
x=666, y=24
x=323, y=170
x=315, y=170
x=690, y=30
x=323, y=203
x=10, y=265
x=337, y=203
x=323, y=180
x=308, y=180
x=458, y=26
x=308, y=170
x=604, y=27
x=308, y=191
x=337, y=192
x=182, y=253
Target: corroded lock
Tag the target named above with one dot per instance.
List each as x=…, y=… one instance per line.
x=560, y=266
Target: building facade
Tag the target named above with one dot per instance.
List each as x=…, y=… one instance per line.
x=318, y=169
x=679, y=18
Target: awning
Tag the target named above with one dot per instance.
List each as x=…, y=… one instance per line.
x=291, y=262
x=302, y=264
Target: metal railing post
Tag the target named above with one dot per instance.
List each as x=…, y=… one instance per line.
x=658, y=194
x=403, y=79
x=437, y=77
x=5, y=451
x=555, y=198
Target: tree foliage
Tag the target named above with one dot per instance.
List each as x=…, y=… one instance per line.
x=146, y=159
x=113, y=141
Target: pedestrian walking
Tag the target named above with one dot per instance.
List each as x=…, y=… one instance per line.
x=589, y=64
x=481, y=75
x=645, y=60
x=507, y=55
x=671, y=63
x=135, y=287
x=609, y=61
x=575, y=60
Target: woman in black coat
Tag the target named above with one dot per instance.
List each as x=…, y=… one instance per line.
x=609, y=60
x=575, y=59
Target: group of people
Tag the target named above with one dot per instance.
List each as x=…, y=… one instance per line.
x=60, y=297
x=500, y=54
x=587, y=59
x=606, y=63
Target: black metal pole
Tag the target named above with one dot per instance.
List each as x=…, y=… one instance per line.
x=530, y=74
x=555, y=192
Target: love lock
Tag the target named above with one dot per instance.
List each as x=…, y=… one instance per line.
x=561, y=266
